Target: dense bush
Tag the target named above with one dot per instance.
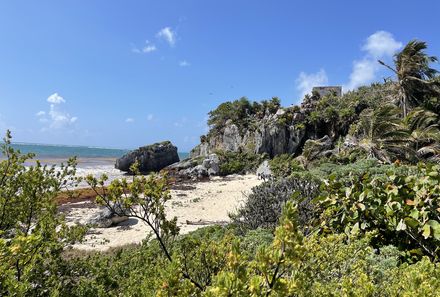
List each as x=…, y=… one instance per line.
x=402, y=206
x=240, y=112
x=238, y=162
x=284, y=165
x=32, y=232
x=263, y=206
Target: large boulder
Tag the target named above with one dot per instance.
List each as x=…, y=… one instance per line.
x=151, y=157
x=107, y=217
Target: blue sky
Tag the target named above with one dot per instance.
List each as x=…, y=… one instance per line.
x=128, y=73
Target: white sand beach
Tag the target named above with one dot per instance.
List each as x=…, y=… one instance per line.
x=201, y=201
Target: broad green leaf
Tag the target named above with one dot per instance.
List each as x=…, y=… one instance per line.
x=435, y=228
x=411, y=222
x=426, y=231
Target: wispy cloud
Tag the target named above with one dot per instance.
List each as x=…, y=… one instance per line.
x=148, y=48
x=56, y=117
x=168, y=35
x=129, y=120
x=305, y=82
x=184, y=63
x=150, y=117
x=380, y=45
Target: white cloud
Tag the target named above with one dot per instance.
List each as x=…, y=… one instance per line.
x=60, y=119
x=150, y=117
x=305, y=82
x=380, y=45
x=55, y=117
x=364, y=71
x=129, y=120
x=55, y=99
x=149, y=48
x=184, y=63
x=168, y=35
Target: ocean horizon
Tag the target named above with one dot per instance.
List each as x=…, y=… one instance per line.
x=87, y=155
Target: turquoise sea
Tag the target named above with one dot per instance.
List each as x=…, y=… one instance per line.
x=87, y=156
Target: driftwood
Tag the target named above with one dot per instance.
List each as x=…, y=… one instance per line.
x=202, y=222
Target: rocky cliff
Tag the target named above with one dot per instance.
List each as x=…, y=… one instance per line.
x=276, y=133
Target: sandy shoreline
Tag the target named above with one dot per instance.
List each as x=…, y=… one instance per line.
x=201, y=201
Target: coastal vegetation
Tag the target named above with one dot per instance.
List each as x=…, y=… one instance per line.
x=355, y=211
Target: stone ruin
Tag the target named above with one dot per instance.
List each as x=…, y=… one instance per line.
x=323, y=91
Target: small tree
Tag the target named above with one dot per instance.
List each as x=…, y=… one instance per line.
x=144, y=198
x=32, y=232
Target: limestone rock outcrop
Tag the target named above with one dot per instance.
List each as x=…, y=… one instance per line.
x=272, y=135
x=151, y=157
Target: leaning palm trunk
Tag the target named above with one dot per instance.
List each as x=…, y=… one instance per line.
x=404, y=101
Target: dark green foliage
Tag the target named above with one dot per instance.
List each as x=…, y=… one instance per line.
x=343, y=172
x=238, y=162
x=32, y=232
x=332, y=115
x=237, y=111
x=284, y=165
x=240, y=112
x=263, y=206
x=402, y=206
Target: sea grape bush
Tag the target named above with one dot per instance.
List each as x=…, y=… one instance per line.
x=403, y=208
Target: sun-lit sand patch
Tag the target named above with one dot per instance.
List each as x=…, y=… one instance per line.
x=207, y=201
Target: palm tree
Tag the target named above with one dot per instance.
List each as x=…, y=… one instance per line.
x=415, y=77
x=425, y=132
x=383, y=135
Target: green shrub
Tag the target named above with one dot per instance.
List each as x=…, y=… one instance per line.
x=402, y=206
x=238, y=162
x=241, y=112
x=263, y=206
x=284, y=165
x=32, y=232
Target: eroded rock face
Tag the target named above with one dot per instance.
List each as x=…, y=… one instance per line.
x=271, y=135
x=151, y=158
x=275, y=139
